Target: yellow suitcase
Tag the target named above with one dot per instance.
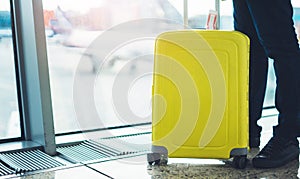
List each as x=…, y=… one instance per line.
x=200, y=96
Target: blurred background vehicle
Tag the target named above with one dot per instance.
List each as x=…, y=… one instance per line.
x=5, y=24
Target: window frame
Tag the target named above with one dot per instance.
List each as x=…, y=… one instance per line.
x=33, y=75
x=16, y=71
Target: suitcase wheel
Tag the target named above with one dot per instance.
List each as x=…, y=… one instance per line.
x=157, y=159
x=240, y=162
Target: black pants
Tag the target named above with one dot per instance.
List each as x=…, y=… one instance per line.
x=270, y=27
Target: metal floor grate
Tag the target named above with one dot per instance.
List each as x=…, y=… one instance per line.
x=106, y=148
x=27, y=161
x=129, y=143
x=4, y=170
x=84, y=151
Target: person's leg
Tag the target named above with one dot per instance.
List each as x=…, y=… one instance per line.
x=258, y=68
x=288, y=97
x=273, y=20
x=274, y=24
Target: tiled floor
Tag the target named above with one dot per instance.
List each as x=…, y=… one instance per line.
x=68, y=173
x=137, y=167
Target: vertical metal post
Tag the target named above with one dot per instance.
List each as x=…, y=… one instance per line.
x=217, y=7
x=34, y=73
x=185, y=14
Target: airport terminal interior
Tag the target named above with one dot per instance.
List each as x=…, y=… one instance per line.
x=76, y=89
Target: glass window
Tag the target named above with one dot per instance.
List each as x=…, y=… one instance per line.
x=226, y=12
x=9, y=111
x=296, y=5
x=100, y=55
x=198, y=12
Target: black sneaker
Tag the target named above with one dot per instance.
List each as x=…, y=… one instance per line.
x=279, y=151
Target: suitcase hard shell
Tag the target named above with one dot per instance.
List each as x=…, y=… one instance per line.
x=200, y=96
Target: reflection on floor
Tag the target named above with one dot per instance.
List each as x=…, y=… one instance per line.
x=137, y=167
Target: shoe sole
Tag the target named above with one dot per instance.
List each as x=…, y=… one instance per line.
x=263, y=163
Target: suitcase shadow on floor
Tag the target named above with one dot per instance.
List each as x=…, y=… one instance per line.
x=222, y=170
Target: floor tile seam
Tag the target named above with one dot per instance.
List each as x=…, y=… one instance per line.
x=96, y=170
